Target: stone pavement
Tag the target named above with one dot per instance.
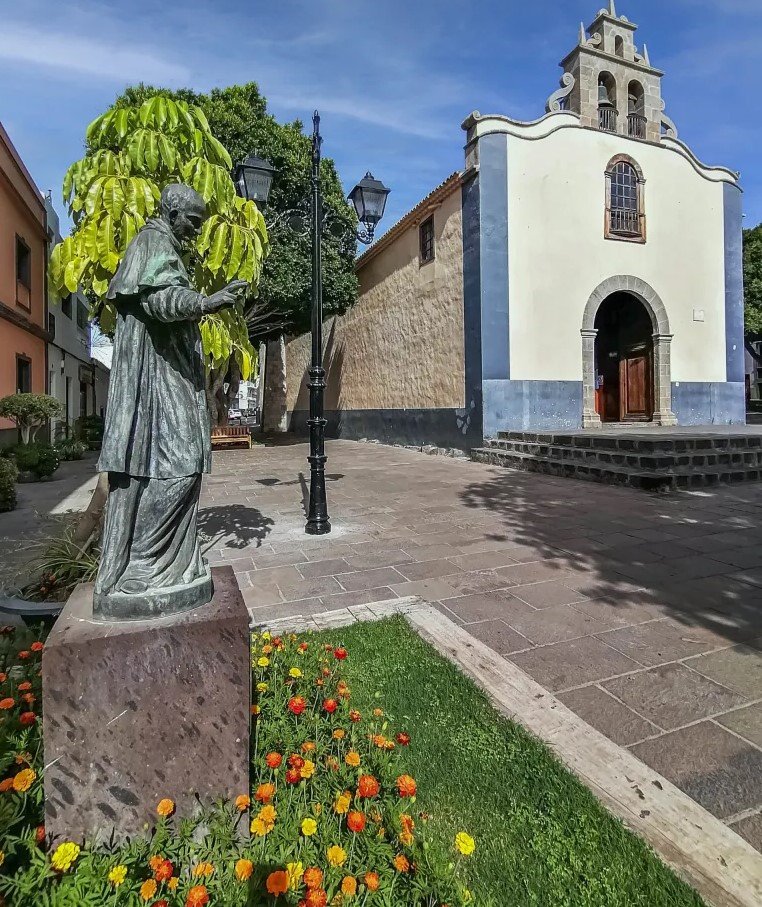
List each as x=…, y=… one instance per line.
x=642, y=613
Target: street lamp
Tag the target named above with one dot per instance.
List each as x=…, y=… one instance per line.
x=253, y=178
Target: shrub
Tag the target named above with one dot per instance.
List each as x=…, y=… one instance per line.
x=8, y=475
x=90, y=431
x=63, y=566
x=30, y=412
x=70, y=449
x=39, y=459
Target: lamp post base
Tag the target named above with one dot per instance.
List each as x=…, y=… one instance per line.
x=318, y=527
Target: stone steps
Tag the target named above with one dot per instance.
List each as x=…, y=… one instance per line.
x=654, y=463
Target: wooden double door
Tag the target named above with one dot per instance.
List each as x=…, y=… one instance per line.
x=624, y=361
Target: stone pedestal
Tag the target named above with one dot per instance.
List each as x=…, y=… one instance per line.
x=136, y=711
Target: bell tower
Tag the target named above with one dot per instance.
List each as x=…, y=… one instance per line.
x=610, y=83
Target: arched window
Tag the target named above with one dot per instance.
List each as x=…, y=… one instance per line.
x=619, y=46
x=625, y=211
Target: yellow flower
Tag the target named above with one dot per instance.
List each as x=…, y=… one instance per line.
x=266, y=635
x=243, y=870
x=352, y=759
x=203, y=869
x=295, y=672
x=173, y=883
x=464, y=844
x=336, y=855
x=65, y=855
x=262, y=687
x=309, y=827
x=117, y=875
x=165, y=808
x=308, y=769
x=338, y=734
x=294, y=871
x=24, y=779
x=148, y=889
x=263, y=662
x=342, y=802
x=2, y=858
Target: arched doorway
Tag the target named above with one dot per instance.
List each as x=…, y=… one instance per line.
x=653, y=336
x=624, y=386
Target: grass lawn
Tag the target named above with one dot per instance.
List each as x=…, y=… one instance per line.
x=542, y=838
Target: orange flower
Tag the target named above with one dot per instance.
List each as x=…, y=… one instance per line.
x=313, y=877
x=273, y=760
x=367, y=786
x=330, y=706
x=295, y=761
x=277, y=882
x=203, y=869
x=155, y=862
x=378, y=713
x=339, y=734
x=29, y=698
x=316, y=897
x=265, y=793
x=356, y=821
x=403, y=739
x=24, y=655
x=293, y=776
x=372, y=881
x=406, y=786
x=308, y=747
x=164, y=871
x=148, y=889
x=3, y=676
x=242, y=802
x=297, y=704
x=7, y=703
x=243, y=870
x=198, y=896
x=352, y=758
x=23, y=687
x=268, y=814
x=354, y=715
x=165, y=808
x=27, y=718
x=6, y=785
x=39, y=834
x=24, y=779
x=349, y=886
x=37, y=647
x=401, y=863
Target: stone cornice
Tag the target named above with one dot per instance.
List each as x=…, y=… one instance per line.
x=585, y=48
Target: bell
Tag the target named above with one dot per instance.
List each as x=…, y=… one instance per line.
x=603, y=95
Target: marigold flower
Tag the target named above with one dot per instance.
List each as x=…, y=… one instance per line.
x=37, y=647
x=297, y=704
x=148, y=889
x=294, y=871
x=24, y=655
x=378, y=713
x=267, y=649
x=7, y=703
x=65, y=856
x=242, y=802
x=162, y=903
x=164, y=871
x=401, y=863
x=332, y=763
x=308, y=769
x=198, y=896
x=203, y=869
x=295, y=761
x=313, y=877
x=268, y=814
x=256, y=709
x=316, y=897
x=352, y=758
x=349, y=886
x=117, y=875
x=354, y=715
x=295, y=673
x=293, y=776
x=5, y=785
x=27, y=718
x=155, y=861
x=403, y=739
x=372, y=881
x=340, y=654
x=308, y=747
x=339, y=734
x=24, y=780
x=309, y=827
x=273, y=760
x=267, y=635
x=342, y=802
x=303, y=646
x=367, y=786
x=464, y=844
x=3, y=676
x=265, y=793
x=259, y=828
x=23, y=687
x=263, y=662
x=29, y=698
x=166, y=807
x=262, y=687
x=243, y=870
x=330, y=706
x=173, y=883
x=406, y=786
x=39, y=834
x=356, y=821
x=277, y=882
x=337, y=856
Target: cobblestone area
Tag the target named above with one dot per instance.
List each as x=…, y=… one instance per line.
x=643, y=613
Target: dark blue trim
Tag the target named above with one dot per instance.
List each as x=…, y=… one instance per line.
x=707, y=403
x=472, y=307
x=493, y=202
x=531, y=406
x=734, y=320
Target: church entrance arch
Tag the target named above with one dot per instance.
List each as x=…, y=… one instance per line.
x=626, y=362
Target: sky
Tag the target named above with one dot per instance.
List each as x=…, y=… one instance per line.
x=393, y=79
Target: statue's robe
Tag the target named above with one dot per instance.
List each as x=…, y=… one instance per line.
x=156, y=441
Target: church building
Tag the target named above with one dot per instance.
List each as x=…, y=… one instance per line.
x=582, y=269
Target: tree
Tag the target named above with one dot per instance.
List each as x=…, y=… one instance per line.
x=30, y=412
x=752, y=278
x=133, y=151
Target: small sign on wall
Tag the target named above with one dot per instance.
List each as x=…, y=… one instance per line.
x=698, y=315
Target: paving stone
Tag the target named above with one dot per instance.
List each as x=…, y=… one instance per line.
x=262, y=594
x=484, y=560
x=476, y=582
x=717, y=769
x=499, y=636
x=750, y=829
x=548, y=595
x=554, y=624
x=662, y=641
x=372, y=559
x=571, y=664
x=324, y=568
x=607, y=715
x=537, y=572
x=428, y=569
x=499, y=604
x=738, y=668
x=627, y=611
x=746, y=722
x=309, y=588
x=361, y=597
x=673, y=695
x=370, y=579
x=425, y=552
x=431, y=590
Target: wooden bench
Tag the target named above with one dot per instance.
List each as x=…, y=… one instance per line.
x=230, y=435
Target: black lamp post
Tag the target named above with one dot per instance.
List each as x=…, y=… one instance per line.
x=253, y=177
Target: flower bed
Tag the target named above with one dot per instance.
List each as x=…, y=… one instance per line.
x=332, y=811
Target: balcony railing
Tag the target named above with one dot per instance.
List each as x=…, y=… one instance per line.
x=607, y=118
x=625, y=220
x=636, y=125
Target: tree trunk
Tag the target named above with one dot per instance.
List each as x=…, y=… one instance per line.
x=274, y=408
x=90, y=525
x=751, y=351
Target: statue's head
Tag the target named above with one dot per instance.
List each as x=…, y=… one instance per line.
x=184, y=210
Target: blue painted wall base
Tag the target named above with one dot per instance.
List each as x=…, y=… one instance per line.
x=709, y=403
x=531, y=406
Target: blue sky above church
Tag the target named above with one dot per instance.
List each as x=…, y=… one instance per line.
x=393, y=80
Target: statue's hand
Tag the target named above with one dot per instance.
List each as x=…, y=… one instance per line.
x=229, y=295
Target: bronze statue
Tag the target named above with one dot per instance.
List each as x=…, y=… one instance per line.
x=156, y=443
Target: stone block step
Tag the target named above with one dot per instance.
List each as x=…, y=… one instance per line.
x=682, y=477
x=640, y=442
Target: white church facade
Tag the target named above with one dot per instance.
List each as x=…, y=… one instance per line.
x=581, y=270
